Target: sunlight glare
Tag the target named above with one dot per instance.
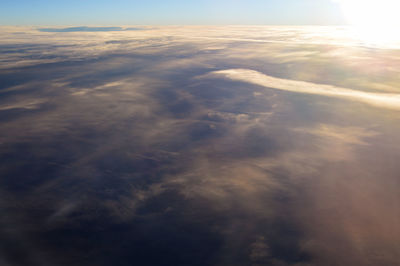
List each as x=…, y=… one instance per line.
x=374, y=21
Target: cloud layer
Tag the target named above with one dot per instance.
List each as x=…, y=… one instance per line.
x=162, y=147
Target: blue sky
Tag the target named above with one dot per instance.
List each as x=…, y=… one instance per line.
x=171, y=12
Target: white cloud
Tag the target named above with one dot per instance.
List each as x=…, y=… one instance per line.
x=384, y=100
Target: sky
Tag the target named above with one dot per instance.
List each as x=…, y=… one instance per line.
x=170, y=12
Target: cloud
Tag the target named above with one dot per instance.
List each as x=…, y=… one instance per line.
x=345, y=135
x=383, y=100
x=25, y=104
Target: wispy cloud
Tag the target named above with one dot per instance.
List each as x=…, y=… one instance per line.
x=384, y=100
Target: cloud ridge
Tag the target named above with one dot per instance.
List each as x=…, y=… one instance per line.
x=383, y=100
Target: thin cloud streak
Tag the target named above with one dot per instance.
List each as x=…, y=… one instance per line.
x=383, y=100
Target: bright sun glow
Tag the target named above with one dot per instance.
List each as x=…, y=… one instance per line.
x=375, y=21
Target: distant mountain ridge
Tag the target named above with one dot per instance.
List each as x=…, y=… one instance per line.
x=87, y=29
